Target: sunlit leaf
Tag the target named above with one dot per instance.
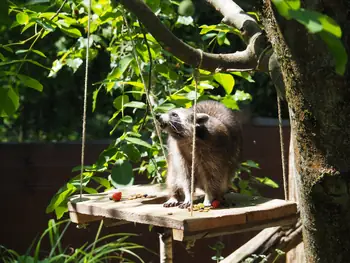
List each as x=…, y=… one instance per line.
x=229, y=102
x=72, y=32
x=251, y=164
x=185, y=20
x=267, y=181
x=225, y=80
x=22, y=18
x=221, y=38
x=138, y=142
x=135, y=104
x=102, y=181
x=241, y=96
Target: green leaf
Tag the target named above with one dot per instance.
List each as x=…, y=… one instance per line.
x=9, y=101
x=192, y=95
x=138, y=142
x=285, y=6
x=225, y=80
x=229, y=102
x=94, y=99
x=135, y=104
x=309, y=19
x=30, y=82
x=221, y=38
x=122, y=174
x=90, y=190
x=60, y=197
x=20, y=51
x=102, y=181
x=244, y=75
x=119, y=102
x=126, y=119
x=165, y=107
x=60, y=211
x=72, y=32
x=241, y=96
x=132, y=152
x=118, y=71
x=184, y=20
x=22, y=18
x=132, y=83
x=338, y=51
x=267, y=181
x=250, y=163
x=21, y=61
x=46, y=23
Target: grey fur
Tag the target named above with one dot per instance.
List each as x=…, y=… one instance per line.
x=218, y=150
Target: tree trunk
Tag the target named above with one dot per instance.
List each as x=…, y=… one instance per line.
x=295, y=255
x=319, y=102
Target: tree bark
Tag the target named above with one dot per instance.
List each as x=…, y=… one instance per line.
x=296, y=254
x=319, y=105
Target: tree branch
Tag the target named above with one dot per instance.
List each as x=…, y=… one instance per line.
x=266, y=243
x=238, y=61
x=236, y=17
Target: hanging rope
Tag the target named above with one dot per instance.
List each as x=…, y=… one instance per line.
x=196, y=75
x=283, y=160
x=85, y=100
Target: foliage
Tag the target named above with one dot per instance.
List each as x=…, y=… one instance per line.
x=317, y=23
x=245, y=182
x=218, y=247
x=113, y=246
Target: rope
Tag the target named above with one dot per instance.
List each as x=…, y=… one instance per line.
x=283, y=160
x=85, y=100
x=196, y=79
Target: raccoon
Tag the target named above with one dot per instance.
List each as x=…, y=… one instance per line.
x=218, y=151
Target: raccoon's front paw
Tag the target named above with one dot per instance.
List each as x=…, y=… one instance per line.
x=185, y=204
x=172, y=202
x=207, y=202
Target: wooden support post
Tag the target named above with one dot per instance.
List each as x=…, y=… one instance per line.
x=165, y=246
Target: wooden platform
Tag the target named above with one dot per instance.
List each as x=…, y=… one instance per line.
x=249, y=213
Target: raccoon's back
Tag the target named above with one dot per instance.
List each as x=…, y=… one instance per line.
x=231, y=119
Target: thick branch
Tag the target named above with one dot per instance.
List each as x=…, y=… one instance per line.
x=240, y=60
x=233, y=15
x=266, y=243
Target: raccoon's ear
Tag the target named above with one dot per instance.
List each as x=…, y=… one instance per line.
x=201, y=118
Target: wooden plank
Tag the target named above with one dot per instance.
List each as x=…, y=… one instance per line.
x=181, y=235
x=247, y=210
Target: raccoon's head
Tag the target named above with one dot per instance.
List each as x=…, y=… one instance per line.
x=179, y=122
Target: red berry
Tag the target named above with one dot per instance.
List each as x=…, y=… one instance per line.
x=215, y=203
x=117, y=196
